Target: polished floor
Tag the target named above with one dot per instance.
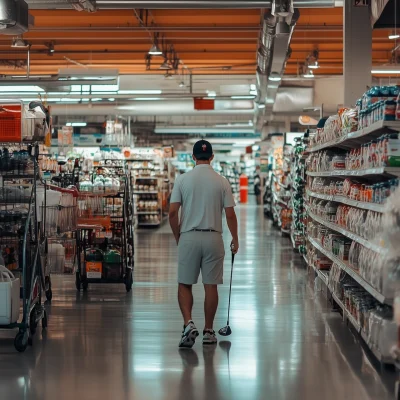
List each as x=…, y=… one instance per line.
x=106, y=344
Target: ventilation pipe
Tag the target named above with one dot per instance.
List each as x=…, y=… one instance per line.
x=273, y=53
x=181, y=4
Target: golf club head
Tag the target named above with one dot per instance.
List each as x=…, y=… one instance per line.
x=226, y=331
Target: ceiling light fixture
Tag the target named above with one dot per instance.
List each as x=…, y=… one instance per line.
x=166, y=65
x=19, y=42
x=76, y=124
x=139, y=91
x=313, y=65
x=392, y=69
x=155, y=51
x=309, y=74
x=243, y=97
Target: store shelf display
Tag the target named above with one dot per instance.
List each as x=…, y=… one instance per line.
x=351, y=186
x=297, y=195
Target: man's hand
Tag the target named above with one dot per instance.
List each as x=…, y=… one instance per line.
x=235, y=246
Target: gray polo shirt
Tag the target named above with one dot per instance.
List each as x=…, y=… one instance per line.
x=203, y=194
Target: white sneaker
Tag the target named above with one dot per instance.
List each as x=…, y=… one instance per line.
x=209, y=337
x=189, y=335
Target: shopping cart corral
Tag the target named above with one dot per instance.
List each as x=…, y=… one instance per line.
x=105, y=241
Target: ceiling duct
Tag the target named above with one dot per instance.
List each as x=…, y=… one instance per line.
x=183, y=4
x=14, y=17
x=274, y=51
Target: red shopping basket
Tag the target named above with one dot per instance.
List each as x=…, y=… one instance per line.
x=10, y=123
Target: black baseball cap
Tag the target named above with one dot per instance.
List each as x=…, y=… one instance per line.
x=202, y=150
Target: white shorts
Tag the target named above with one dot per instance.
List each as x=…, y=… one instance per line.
x=201, y=251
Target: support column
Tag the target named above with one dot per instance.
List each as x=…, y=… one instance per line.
x=357, y=51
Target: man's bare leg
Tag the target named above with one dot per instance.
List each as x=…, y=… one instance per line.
x=185, y=299
x=210, y=305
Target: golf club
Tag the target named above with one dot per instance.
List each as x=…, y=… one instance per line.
x=226, y=331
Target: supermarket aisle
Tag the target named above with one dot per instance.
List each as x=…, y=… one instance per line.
x=109, y=345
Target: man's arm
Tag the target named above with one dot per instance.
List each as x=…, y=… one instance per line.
x=233, y=227
x=174, y=219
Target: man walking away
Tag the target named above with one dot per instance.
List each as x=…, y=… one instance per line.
x=203, y=195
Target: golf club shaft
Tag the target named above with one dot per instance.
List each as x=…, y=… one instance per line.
x=230, y=288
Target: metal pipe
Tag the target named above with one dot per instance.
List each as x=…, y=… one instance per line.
x=28, y=67
x=182, y=4
x=310, y=28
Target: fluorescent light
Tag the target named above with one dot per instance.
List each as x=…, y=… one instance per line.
x=105, y=88
x=111, y=99
x=382, y=70
x=166, y=65
x=314, y=65
x=76, y=124
x=395, y=36
x=309, y=74
x=146, y=98
x=31, y=76
x=243, y=97
x=139, y=91
x=21, y=89
x=97, y=99
x=155, y=51
x=261, y=106
x=126, y=108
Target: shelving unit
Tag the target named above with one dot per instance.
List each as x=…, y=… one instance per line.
x=345, y=200
x=343, y=265
x=366, y=243
x=361, y=172
x=349, y=140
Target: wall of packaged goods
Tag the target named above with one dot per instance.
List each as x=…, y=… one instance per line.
x=341, y=189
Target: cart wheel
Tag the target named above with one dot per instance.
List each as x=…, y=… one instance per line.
x=85, y=285
x=78, y=282
x=129, y=281
x=49, y=292
x=32, y=322
x=44, y=320
x=49, y=295
x=19, y=342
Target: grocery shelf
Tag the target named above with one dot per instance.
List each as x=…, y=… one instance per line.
x=147, y=213
x=358, y=172
x=278, y=200
x=152, y=178
x=149, y=223
x=350, y=202
x=149, y=192
x=347, y=314
x=366, y=243
x=373, y=130
x=351, y=272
